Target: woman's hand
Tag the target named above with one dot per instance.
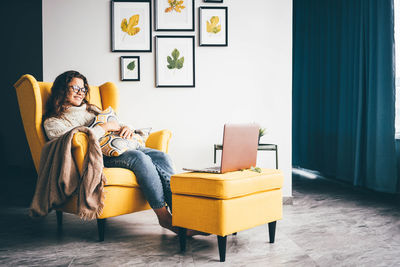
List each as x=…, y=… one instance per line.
x=111, y=126
x=126, y=133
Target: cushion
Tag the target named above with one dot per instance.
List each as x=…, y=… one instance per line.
x=227, y=185
x=112, y=145
x=105, y=116
x=144, y=132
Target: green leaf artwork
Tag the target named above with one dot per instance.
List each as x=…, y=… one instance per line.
x=131, y=66
x=175, y=62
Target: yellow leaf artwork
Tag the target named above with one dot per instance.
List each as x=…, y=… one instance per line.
x=175, y=5
x=212, y=25
x=130, y=28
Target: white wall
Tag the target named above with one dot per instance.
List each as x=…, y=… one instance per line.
x=248, y=81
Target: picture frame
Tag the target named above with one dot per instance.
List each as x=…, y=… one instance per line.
x=214, y=1
x=131, y=26
x=168, y=17
x=175, y=61
x=213, y=26
x=130, y=68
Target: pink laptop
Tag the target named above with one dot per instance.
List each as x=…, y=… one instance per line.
x=239, y=149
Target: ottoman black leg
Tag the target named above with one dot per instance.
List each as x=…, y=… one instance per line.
x=59, y=220
x=222, y=248
x=271, y=230
x=182, y=238
x=101, y=225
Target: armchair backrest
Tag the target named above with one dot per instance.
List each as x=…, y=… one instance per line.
x=32, y=97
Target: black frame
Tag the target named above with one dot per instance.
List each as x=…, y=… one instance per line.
x=123, y=69
x=157, y=28
x=156, y=55
x=214, y=1
x=113, y=49
x=226, y=25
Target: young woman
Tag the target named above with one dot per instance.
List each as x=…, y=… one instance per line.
x=67, y=108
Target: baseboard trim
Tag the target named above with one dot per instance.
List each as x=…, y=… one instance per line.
x=287, y=200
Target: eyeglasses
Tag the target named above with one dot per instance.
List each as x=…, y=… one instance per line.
x=78, y=89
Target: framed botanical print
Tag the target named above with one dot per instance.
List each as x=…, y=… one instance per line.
x=175, y=61
x=130, y=68
x=174, y=15
x=213, y=26
x=131, y=26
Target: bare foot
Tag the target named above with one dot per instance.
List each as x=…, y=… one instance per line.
x=168, y=225
x=165, y=219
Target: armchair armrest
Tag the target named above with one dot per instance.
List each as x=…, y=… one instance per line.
x=159, y=140
x=79, y=149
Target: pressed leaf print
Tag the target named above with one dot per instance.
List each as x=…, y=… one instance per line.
x=176, y=5
x=131, y=66
x=130, y=28
x=213, y=26
x=175, y=62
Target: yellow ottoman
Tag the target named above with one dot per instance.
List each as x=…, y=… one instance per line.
x=224, y=204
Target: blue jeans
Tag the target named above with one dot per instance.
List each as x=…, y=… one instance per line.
x=153, y=170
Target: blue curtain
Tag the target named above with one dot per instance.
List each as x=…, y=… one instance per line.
x=344, y=91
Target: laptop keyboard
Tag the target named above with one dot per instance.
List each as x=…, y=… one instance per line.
x=207, y=169
x=217, y=168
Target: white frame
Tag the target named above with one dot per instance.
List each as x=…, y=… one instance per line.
x=126, y=74
x=123, y=42
x=173, y=21
x=211, y=39
x=184, y=77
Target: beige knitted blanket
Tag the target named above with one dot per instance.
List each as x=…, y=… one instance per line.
x=59, y=177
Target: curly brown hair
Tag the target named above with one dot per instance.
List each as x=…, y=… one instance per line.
x=56, y=104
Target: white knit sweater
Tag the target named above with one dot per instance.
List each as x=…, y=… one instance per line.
x=73, y=117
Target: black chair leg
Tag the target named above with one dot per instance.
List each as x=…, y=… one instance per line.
x=182, y=238
x=222, y=248
x=59, y=214
x=101, y=223
x=271, y=230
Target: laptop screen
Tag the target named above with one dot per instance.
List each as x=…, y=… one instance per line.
x=239, y=149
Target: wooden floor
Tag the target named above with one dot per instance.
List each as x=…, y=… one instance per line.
x=329, y=224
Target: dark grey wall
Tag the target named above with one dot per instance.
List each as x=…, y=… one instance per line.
x=21, y=53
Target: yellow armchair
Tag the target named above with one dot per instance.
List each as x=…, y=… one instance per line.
x=123, y=193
